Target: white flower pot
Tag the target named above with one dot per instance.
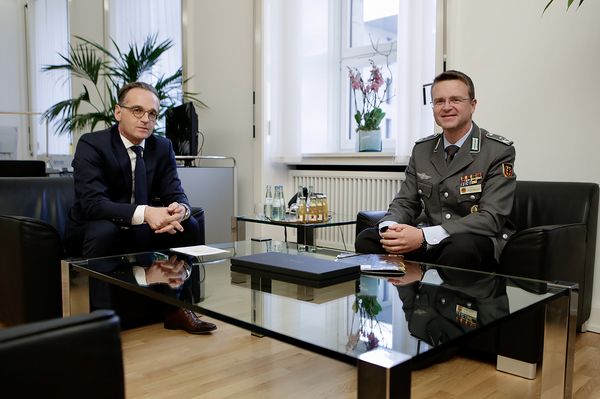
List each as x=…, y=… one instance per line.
x=368, y=140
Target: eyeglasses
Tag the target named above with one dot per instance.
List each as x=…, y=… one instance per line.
x=139, y=112
x=454, y=101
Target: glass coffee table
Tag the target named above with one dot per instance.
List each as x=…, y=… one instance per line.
x=385, y=326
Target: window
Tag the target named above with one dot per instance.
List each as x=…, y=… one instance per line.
x=309, y=45
x=48, y=34
x=368, y=27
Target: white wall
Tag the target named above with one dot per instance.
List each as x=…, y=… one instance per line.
x=219, y=59
x=537, y=80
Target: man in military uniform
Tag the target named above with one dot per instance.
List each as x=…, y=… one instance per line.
x=459, y=183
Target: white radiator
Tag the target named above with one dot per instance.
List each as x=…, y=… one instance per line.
x=347, y=193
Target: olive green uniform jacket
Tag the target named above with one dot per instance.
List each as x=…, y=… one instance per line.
x=473, y=194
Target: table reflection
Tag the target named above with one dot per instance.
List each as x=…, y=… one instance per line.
x=440, y=304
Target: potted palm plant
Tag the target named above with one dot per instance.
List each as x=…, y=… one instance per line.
x=103, y=73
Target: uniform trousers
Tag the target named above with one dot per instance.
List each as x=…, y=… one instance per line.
x=467, y=251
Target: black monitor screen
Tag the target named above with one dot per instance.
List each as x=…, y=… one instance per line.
x=182, y=129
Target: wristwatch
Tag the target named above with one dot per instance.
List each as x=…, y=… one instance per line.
x=424, y=242
x=187, y=212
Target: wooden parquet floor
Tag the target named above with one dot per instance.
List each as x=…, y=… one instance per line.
x=231, y=363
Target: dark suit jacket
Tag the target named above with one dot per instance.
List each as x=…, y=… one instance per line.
x=103, y=177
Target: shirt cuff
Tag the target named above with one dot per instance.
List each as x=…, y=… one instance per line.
x=138, y=215
x=434, y=234
x=140, y=275
x=387, y=223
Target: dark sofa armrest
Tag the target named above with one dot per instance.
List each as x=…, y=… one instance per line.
x=553, y=252
x=366, y=219
x=30, y=287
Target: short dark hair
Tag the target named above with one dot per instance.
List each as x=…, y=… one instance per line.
x=456, y=75
x=135, y=85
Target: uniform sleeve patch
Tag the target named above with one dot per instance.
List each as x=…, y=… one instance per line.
x=507, y=170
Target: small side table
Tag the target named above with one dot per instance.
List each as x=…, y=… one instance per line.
x=305, y=232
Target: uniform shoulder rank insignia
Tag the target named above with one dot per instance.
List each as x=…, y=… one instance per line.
x=499, y=138
x=428, y=138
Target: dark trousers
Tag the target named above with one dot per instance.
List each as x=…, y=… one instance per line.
x=467, y=251
x=104, y=238
x=100, y=238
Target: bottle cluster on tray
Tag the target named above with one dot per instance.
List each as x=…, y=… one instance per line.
x=309, y=207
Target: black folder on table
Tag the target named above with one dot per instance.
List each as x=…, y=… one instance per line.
x=297, y=269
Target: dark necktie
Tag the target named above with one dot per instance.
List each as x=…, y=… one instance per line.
x=451, y=151
x=140, y=188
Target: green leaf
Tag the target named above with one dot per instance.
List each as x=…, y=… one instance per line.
x=569, y=3
x=357, y=117
x=373, y=119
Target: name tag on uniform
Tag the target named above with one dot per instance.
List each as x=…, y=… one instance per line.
x=465, y=316
x=471, y=184
x=475, y=188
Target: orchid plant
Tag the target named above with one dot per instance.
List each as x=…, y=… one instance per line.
x=368, y=96
x=367, y=308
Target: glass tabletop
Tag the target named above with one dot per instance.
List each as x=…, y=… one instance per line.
x=430, y=306
x=335, y=219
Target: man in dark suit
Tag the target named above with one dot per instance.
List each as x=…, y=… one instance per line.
x=118, y=173
x=462, y=181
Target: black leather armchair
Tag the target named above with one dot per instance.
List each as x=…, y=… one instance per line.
x=76, y=357
x=556, y=225
x=33, y=213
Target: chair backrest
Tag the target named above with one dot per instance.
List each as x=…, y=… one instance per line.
x=45, y=198
x=548, y=203
x=76, y=357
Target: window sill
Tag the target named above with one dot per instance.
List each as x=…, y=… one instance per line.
x=359, y=161
x=345, y=158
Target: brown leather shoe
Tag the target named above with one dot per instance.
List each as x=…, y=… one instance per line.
x=188, y=321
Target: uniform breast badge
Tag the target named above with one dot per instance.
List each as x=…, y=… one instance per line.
x=470, y=184
x=423, y=176
x=466, y=316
